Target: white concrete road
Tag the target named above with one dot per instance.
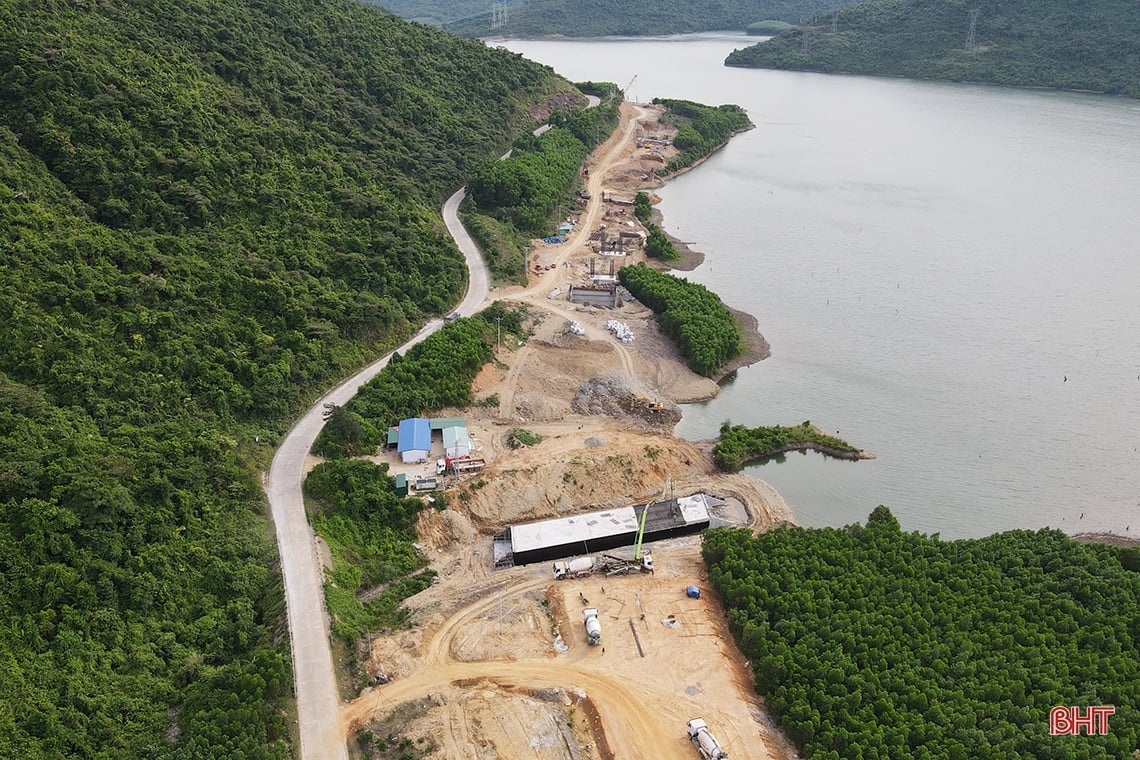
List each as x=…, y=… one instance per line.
x=318, y=705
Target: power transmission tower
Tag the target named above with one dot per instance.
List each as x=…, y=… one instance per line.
x=971, y=36
x=498, y=15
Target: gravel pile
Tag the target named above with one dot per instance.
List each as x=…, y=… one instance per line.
x=608, y=396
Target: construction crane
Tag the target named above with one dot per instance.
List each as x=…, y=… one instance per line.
x=645, y=560
x=625, y=90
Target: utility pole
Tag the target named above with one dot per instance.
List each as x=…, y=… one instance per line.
x=498, y=333
x=835, y=23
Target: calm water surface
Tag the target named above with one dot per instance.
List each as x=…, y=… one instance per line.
x=948, y=275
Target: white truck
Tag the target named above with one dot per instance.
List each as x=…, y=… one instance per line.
x=593, y=627
x=579, y=567
x=706, y=744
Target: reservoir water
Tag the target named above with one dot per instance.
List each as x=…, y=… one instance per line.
x=948, y=275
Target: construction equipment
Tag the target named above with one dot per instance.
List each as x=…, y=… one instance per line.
x=603, y=564
x=640, y=402
x=459, y=465
x=643, y=560
x=706, y=744
x=593, y=627
x=625, y=90
x=579, y=567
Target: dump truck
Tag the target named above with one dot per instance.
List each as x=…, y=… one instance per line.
x=706, y=744
x=593, y=627
x=579, y=567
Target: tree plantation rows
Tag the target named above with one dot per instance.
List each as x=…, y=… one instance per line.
x=209, y=212
x=868, y=642
x=704, y=330
x=657, y=243
x=701, y=129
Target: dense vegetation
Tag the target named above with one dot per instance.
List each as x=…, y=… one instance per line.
x=526, y=190
x=768, y=28
x=353, y=506
x=208, y=211
x=739, y=444
x=1093, y=45
x=704, y=330
x=701, y=129
x=435, y=373
x=504, y=248
x=657, y=243
x=598, y=18
x=874, y=643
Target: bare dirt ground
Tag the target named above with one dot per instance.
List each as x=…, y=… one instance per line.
x=496, y=664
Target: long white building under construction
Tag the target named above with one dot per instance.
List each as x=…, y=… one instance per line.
x=600, y=531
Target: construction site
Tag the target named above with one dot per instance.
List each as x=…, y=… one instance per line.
x=571, y=615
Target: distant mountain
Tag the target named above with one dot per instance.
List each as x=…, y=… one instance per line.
x=1088, y=45
x=210, y=210
x=599, y=18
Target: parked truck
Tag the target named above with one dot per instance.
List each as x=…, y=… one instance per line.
x=593, y=627
x=603, y=564
x=706, y=744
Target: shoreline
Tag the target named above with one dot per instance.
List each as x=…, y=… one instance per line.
x=757, y=348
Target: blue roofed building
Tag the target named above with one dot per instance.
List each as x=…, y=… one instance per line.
x=414, y=440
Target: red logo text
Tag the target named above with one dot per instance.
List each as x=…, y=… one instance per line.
x=1070, y=721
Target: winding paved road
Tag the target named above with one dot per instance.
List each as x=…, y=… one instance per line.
x=318, y=705
x=314, y=678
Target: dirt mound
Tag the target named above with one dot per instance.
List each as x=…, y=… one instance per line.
x=613, y=398
x=601, y=395
x=563, y=475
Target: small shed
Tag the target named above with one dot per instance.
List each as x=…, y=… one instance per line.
x=401, y=484
x=414, y=440
x=693, y=592
x=456, y=442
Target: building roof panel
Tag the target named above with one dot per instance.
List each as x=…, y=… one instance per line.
x=563, y=530
x=415, y=435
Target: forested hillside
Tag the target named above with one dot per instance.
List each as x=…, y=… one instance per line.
x=208, y=211
x=434, y=12
x=1093, y=45
x=870, y=642
x=598, y=18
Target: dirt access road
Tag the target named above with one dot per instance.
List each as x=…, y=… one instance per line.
x=635, y=692
x=496, y=664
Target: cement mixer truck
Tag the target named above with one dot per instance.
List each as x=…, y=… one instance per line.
x=706, y=744
x=593, y=627
x=578, y=567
